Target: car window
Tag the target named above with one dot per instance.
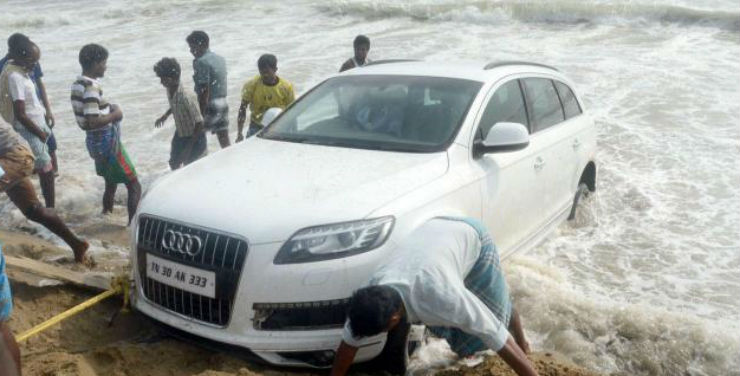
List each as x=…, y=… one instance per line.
x=544, y=105
x=400, y=113
x=570, y=104
x=506, y=105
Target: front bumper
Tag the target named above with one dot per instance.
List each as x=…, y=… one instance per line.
x=262, y=286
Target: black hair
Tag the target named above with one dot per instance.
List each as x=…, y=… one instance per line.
x=370, y=309
x=267, y=61
x=19, y=45
x=167, y=67
x=198, y=38
x=361, y=40
x=91, y=54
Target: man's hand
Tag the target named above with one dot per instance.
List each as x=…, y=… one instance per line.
x=49, y=119
x=160, y=122
x=116, y=112
x=43, y=136
x=343, y=359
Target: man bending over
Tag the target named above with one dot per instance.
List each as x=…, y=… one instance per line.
x=447, y=276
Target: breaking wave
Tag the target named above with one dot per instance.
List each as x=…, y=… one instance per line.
x=556, y=12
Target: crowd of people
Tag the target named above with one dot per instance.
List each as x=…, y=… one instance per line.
x=448, y=277
x=28, y=146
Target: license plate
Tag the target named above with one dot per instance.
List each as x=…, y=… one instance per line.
x=197, y=281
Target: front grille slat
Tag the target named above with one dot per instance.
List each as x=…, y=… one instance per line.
x=217, y=248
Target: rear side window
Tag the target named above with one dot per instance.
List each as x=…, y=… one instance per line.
x=506, y=105
x=544, y=105
x=570, y=104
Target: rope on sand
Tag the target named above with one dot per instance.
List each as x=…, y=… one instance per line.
x=119, y=285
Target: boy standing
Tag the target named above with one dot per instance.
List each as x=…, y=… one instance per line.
x=101, y=121
x=35, y=76
x=210, y=86
x=262, y=93
x=362, y=47
x=189, y=140
x=22, y=108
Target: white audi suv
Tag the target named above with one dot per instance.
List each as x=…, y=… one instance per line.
x=260, y=245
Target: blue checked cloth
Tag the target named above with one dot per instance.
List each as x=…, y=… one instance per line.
x=486, y=281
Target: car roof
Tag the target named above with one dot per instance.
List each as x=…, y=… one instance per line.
x=476, y=71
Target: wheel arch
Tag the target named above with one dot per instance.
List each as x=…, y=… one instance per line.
x=588, y=176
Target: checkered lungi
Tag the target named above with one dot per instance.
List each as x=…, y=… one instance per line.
x=486, y=281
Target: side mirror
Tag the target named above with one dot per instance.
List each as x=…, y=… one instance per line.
x=270, y=115
x=502, y=137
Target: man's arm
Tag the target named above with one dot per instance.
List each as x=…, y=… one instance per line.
x=343, y=359
x=241, y=118
x=19, y=110
x=347, y=65
x=160, y=122
x=99, y=121
x=45, y=99
x=513, y=355
x=204, y=96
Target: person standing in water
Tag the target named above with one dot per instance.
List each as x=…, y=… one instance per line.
x=362, y=48
x=36, y=76
x=101, y=122
x=189, y=140
x=209, y=75
x=21, y=106
x=261, y=93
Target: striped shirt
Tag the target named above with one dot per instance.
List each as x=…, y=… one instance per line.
x=87, y=99
x=184, y=106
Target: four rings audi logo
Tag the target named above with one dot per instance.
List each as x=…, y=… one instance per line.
x=186, y=244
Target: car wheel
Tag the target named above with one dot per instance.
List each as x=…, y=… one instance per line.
x=581, y=214
x=399, y=347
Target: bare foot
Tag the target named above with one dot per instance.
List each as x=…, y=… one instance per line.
x=80, y=251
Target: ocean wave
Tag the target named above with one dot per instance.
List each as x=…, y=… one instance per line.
x=557, y=12
x=604, y=334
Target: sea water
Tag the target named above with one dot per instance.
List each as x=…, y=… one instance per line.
x=647, y=283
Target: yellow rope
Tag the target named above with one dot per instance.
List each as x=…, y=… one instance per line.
x=118, y=285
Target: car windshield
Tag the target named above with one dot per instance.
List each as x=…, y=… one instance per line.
x=401, y=113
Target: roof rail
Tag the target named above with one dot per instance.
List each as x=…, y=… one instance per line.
x=504, y=63
x=388, y=61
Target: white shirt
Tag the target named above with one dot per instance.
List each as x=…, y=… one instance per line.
x=428, y=271
x=22, y=88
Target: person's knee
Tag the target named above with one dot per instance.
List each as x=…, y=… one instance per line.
x=34, y=212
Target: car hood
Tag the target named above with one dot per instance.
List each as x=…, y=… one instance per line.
x=266, y=190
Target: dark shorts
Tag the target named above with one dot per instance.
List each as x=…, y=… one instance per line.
x=180, y=143
x=51, y=142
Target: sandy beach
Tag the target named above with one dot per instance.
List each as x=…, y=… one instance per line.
x=103, y=341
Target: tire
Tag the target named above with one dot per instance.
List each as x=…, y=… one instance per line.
x=581, y=192
x=399, y=348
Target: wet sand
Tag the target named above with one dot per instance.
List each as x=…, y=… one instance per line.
x=103, y=341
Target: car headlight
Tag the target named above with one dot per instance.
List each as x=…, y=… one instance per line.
x=335, y=240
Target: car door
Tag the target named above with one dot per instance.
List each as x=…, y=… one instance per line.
x=510, y=187
x=580, y=138
x=553, y=164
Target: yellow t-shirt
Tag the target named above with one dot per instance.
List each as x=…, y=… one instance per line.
x=262, y=97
